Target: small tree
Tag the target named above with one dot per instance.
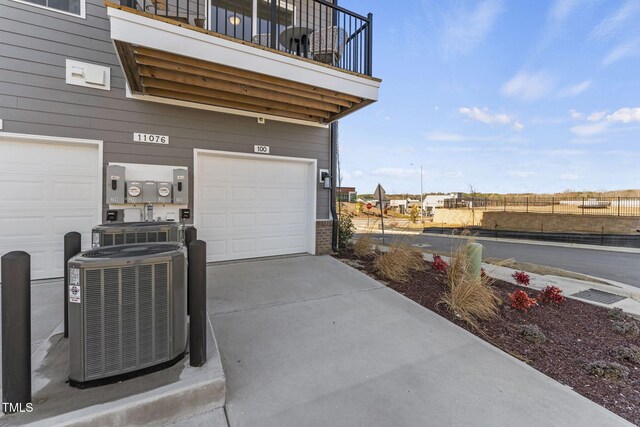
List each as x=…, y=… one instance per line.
x=346, y=229
x=414, y=214
x=359, y=207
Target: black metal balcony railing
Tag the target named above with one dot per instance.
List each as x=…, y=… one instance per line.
x=315, y=29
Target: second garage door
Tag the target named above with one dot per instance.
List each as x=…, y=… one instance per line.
x=254, y=206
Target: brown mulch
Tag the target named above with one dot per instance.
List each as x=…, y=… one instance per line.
x=577, y=334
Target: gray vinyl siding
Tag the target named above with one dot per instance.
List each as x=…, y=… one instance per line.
x=34, y=99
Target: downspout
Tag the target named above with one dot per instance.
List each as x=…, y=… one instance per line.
x=333, y=155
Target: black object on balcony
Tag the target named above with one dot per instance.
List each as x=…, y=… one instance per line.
x=318, y=30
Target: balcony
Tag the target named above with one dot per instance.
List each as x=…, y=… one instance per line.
x=304, y=61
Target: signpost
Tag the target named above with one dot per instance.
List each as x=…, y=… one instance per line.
x=380, y=194
x=369, y=206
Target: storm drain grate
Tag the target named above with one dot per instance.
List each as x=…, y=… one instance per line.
x=598, y=296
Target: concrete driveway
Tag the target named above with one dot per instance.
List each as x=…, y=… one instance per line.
x=309, y=341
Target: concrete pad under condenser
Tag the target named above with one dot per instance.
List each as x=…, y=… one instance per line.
x=156, y=398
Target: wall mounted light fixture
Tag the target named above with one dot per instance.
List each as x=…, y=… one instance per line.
x=326, y=180
x=234, y=20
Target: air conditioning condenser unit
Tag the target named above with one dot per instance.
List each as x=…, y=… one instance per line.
x=127, y=311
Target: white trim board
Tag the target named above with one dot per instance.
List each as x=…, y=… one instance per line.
x=140, y=30
x=312, y=184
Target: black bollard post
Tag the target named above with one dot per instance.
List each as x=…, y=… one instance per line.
x=16, y=331
x=72, y=246
x=198, y=302
x=190, y=235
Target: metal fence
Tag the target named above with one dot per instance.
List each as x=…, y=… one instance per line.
x=607, y=206
x=312, y=29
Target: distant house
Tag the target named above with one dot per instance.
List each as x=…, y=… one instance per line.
x=403, y=205
x=432, y=202
x=346, y=194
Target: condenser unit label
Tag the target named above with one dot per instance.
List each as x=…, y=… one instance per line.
x=152, y=138
x=74, y=294
x=74, y=276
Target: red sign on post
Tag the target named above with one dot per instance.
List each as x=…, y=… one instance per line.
x=369, y=206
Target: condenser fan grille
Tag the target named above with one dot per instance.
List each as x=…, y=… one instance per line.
x=127, y=318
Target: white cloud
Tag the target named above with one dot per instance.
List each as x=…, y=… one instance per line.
x=396, y=173
x=569, y=177
x=529, y=86
x=517, y=126
x=561, y=10
x=590, y=130
x=616, y=20
x=466, y=29
x=602, y=122
x=586, y=141
x=557, y=18
x=628, y=49
x=597, y=116
x=575, y=90
x=484, y=116
x=625, y=115
x=575, y=115
x=357, y=174
x=438, y=136
x=520, y=174
x=444, y=137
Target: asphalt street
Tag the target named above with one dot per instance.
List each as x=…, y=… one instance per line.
x=619, y=266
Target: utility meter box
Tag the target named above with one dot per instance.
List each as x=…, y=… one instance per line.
x=115, y=185
x=164, y=192
x=149, y=192
x=134, y=192
x=180, y=186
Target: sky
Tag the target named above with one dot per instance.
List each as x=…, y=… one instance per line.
x=503, y=95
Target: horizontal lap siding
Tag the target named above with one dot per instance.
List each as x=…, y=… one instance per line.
x=34, y=99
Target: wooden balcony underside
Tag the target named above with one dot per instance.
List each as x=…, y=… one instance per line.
x=168, y=75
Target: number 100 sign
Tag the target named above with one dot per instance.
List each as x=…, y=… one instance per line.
x=149, y=137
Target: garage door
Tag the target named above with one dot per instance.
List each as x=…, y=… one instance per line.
x=46, y=190
x=248, y=207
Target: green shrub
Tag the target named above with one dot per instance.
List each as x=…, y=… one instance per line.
x=629, y=353
x=616, y=314
x=533, y=333
x=611, y=370
x=346, y=229
x=626, y=328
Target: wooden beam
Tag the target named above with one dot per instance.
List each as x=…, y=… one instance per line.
x=229, y=104
x=165, y=56
x=129, y=66
x=231, y=76
x=235, y=88
x=151, y=79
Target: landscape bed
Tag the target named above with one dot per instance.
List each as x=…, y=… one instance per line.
x=576, y=336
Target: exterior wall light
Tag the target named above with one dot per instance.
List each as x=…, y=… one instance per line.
x=234, y=20
x=326, y=180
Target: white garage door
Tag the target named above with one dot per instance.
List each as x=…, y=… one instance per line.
x=248, y=207
x=46, y=190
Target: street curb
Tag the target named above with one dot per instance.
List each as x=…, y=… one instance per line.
x=520, y=241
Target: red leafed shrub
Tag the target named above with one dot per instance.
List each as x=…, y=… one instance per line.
x=521, y=301
x=521, y=277
x=551, y=295
x=439, y=264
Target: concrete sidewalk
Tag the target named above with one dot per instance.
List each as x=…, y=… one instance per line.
x=310, y=341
